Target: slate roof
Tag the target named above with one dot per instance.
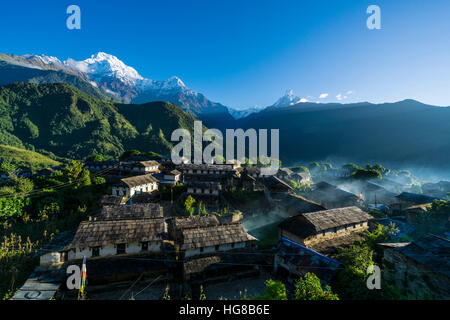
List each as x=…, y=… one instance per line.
x=285, y=171
x=99, y=233
x=138, y=180
x=273, y=183
x=149, y=163
x=297, y=203
x=200, y=237
x=181, y=222
x=416, y=198
x=110, y=200
x=133, y=211
x=307, y=260
x=308, y=224
x=325, y=192
x=431, y=251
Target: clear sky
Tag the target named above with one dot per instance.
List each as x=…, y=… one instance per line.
x=245, y=52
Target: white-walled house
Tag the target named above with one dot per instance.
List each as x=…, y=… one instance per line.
x=172, y=176
x=96, y=239
x=128, y=187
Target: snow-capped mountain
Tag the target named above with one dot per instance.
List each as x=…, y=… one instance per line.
x=289, y=99
x=121, y=82
x=103, y=65
x=105, y=76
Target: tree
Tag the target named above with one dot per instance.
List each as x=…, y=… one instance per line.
x=7, y=167
x=129, y=154
x=309, y=288
x=96, y=158
x=364, y=174
x=378, y=167
x=189, y=206
x=350, y=282
x=300, y=169
x=202, y=294
x=275, y=290
x=75, y=173
x=381, y=234
x=202, y=209
x=351, y=167
x=22, y=185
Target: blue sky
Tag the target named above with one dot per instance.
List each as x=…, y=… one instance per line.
x=244, y=53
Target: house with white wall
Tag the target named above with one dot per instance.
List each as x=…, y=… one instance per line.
x=128, y=187
x=99, y=239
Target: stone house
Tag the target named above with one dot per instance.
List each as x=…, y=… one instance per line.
x=203, y=240
x=309, y=229
x=97, y=239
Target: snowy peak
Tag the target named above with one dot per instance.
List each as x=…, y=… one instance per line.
x=102, y=65
x=288, y=99
x=42, y=59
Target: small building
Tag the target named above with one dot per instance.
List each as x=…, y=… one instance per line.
x=274, y=185
x=128, y=187
x=284, y=173
x=407, y=199
x=413, y=214
x=311, y=228
x=331, y=196
x=421, y=268
x=301, y=177
x=254, y=172
x=95, y=239
x=172, y=176
x=197, y=241
x=177, y=223
x=203, y=188
x=292, y=204
x=297, y=260
x=109, y=200
x=145, y=166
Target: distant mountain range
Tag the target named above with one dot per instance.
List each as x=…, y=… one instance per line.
x=76, y=108
x=406, y=132
x=105, y=76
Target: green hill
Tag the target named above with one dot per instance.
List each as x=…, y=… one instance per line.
x=25, y=159
x=69, y=123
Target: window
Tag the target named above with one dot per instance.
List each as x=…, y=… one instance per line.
x=96, y=252
x=232, y=245
x=201, y=249
x=217, y=247
x=144, y=246
x=121, y=248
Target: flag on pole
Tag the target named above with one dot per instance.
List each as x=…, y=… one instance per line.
x=83, y=276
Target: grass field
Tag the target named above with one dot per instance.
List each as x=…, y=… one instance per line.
x=25, y=159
